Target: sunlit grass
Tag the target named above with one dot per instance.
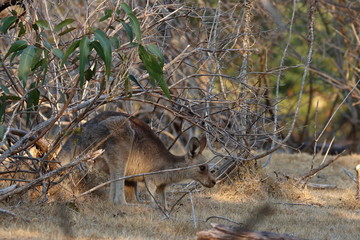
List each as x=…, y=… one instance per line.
x=306, y=213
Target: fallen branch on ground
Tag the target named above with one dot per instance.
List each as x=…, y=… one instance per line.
x=349, y=174
x=222, y=232
x=224, y=218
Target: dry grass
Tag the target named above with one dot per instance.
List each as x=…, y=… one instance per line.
x=307, y=213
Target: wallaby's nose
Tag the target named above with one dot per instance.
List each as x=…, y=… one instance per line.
x=211, y=183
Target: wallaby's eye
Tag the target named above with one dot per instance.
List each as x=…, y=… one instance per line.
x=202, y=168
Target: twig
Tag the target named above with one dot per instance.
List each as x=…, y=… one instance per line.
x=18, y=146
x=319, y=186
x=193, y=210
x=223, y=218
x=337, y=109
x=90, y=156
x=8, y=189
x=357, y=196
x=296, y=204
x=278, y=81
x=177, y=202
x=17, y=85
x=322, y=166
x=349, y=174
x=7, y=212
x=328, y=150
x=309, y=184
x=162, y=208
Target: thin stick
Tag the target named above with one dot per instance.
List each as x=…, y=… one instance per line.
x=315, y=141
x=357, y=196
x=7, y=212
x=337, y=109
x=223, y=218
x=193, y=210
x=278, y=81
x=349, y=174
x=322, y=166
x=328, y=150
x=177, y=202
x=162, y=208
x=90, y=156
x=8, y=189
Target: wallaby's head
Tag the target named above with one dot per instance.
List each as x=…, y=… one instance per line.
x=202, y=173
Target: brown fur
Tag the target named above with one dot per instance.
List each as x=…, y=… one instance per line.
x=131, y=147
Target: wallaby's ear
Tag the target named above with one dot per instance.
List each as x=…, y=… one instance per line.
x=193, y=146
x=202, y=144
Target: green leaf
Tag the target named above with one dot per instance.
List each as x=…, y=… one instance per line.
x=12, y=98
x=84, y=54
x=25, y=63
x=63, y=24
x=33, y=98
x=47, y=45
x=90, y=73
x=4, y=103
x=35, y=27
x=128, y=30
x=153, y=49
x=7, y=23
x=45, y=65
x=154, y=68
x=133, y=20
x=16, y=47
x=70, y=50
x=96, y=45
x=115, y=43
x=43, y=23
x=67, y=31
x=4, y=88
x=32, y=101
x=134, y=79
x=107, y=14
x=22, y=30
x=106, y=47
x=2, y=108
x=15, y=54
x=57, y=52
x=35, y=62
x=3, y=128
x=40, y=62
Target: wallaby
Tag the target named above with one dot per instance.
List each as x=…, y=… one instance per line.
x=131, y=147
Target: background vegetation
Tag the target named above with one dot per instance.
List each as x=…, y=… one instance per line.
x=253, y=76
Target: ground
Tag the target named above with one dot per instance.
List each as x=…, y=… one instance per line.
x=308, y=213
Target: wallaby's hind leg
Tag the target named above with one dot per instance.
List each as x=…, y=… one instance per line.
x=117, y=149
x=116, y=161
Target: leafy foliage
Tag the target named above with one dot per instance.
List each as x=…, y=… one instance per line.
x=87, y=53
